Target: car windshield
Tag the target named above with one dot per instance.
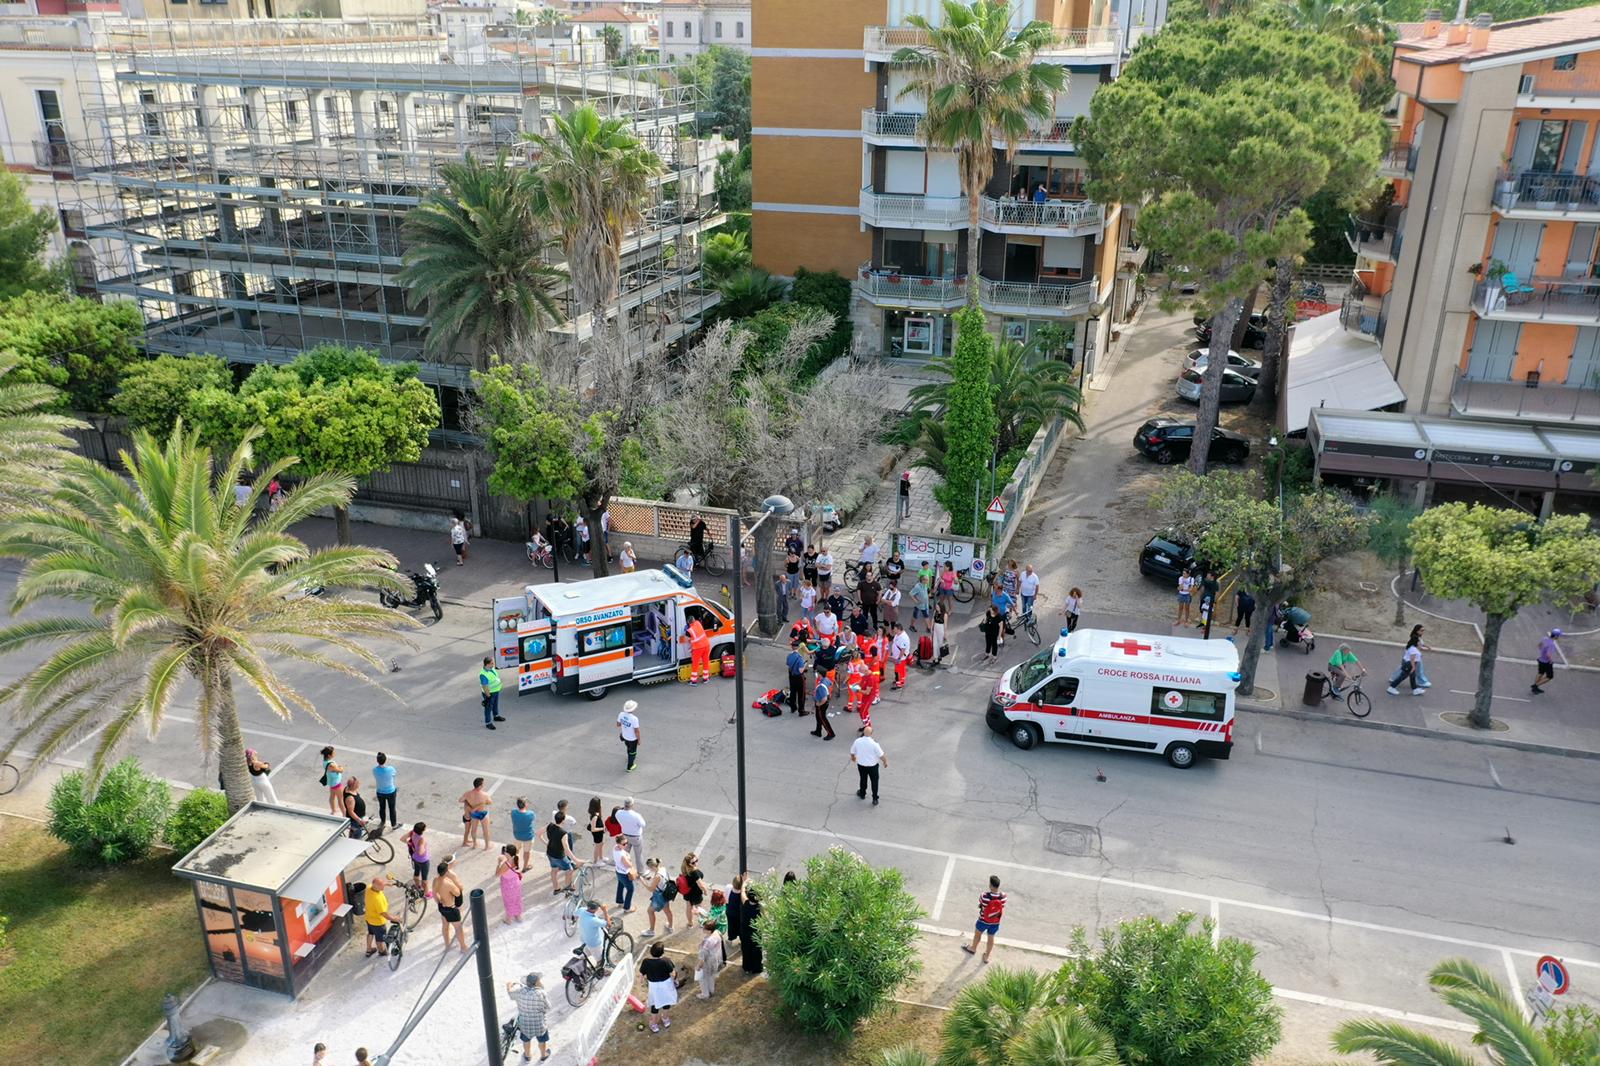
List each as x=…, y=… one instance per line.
x=1031, y=672
x=1157, y=544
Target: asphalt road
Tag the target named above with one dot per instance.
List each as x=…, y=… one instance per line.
x=1354, y=859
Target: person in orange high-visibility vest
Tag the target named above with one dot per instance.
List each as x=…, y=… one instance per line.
x=855, y=680
x=869, y=689
x=699, y=653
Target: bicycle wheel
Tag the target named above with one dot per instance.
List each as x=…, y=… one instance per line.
x=379, y=851
x=416, y=907
x=852, y=577
x=1358, y=703
x=397, y=948
x=569, y=916
x=1032, y=630
x=965, y=590
x=577, y=991
x=713, y=562
x=10, y=777
x=620, y=945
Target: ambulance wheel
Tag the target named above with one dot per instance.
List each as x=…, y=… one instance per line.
x=596, y=693
x=1181, y=755
x=1024, y=734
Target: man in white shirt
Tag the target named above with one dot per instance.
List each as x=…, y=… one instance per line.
x=868, y=757
x=633, y=823
x=900, y=655
x=869, y=552
x=824, y=571
x=826, y=623
x=1028, y=587
x=628, y=729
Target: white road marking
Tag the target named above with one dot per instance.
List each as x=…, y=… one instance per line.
x=1513, y=699
x=1511, y=983
x=1027, y=945
x=287, y=759
x=1367, y=1008
x=1113, y=882
x=1494, y=774
x=705, y=838
x=1216, y=923
x=96, y=731
x=494, y=786
x=944, y=888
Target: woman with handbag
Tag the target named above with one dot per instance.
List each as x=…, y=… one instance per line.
x=661, y=889
x=690, y=881
x=510, y=875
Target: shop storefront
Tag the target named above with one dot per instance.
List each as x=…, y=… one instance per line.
x=270, y=894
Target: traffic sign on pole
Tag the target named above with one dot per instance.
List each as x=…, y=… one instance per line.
x=1553, y=975
x=997, y=510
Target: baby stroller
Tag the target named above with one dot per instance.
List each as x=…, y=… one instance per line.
x=1297, y=628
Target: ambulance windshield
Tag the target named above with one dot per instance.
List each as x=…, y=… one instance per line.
x=1031, y=672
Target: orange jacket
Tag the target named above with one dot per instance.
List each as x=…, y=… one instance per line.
x=698, y=640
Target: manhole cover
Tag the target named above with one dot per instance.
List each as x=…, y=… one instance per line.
x=1067, y=838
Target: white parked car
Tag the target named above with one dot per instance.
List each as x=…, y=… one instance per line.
x=1239, y=364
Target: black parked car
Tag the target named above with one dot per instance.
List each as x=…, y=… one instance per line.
x=1167, y=559
x=1255, y=331
x=1167, y=440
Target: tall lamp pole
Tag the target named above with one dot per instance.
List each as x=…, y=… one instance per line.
x=772, y=505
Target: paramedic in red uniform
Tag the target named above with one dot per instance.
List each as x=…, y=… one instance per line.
x=900, y=655
x=699, y=653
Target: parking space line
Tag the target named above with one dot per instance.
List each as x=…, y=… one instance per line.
x=944, y=888
x=1511, y=984
x=287, y=759
x=1113, y=882
x=1367, y=1008
x=81, y=741
x=1026, y=945
x=705, y=838
x=494, y=786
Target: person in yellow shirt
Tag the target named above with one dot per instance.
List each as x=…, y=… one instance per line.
x=377, y=917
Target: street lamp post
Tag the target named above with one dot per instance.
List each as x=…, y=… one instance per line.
x=772, y=505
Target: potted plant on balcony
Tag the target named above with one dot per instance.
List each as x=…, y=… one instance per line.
x=1494, y=273
x=1505, y=192
x=1546, y=191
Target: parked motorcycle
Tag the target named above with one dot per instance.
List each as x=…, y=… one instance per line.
x=426, y=585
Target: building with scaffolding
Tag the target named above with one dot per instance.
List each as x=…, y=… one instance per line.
x=247, y=180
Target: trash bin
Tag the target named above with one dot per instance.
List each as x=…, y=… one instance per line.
x=356, y=896
x=1312, y=697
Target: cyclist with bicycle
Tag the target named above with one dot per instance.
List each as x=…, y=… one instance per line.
x=533, y=1008
x=1343, y=669
x=378, y=917
x=593, y=921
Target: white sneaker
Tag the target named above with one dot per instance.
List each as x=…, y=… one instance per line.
x=1393, y=691
x=1419, y=692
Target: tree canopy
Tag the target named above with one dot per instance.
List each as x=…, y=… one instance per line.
x=78, y=346
x=155, y=393
x=969, y=420
x=24, y=233
x=529, y=427
x=721, y=78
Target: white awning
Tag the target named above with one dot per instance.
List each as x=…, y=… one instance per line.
x=1328, y=366
x=321, y=872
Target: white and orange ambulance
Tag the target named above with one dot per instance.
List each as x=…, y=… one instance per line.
x=586, y=636
x=1171, y=696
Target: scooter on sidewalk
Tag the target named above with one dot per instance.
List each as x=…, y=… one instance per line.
x=426, y=586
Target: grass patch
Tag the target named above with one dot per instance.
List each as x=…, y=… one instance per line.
x=743, y=1026
x=90, y=952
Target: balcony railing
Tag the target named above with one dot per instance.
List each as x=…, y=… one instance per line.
x=1570, y=300
x=1546, y=190
x=1037, y=296
x=891, y=123
x=1065, y=215
x=1534, y=401
x=52, y=155
x=890, y=286
x=887, y=40
x=1401, y=158
x=1054, y=131
x=911, y=211
x=1372, y=239
x=1357, y=317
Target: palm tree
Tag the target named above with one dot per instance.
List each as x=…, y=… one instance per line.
x=1511, y=1039
x=989, y=1014
x=612, y=37
x=748, y=290
x=1027, y=389
x=1064, y=1039
x=723, y=254
x=548, y=18
x=179, y=581
x=1358, y=23
x=591, y=180
x=980, y=83
x=33, y=441
x=474, y=258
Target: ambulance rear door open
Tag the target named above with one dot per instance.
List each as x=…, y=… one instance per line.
x=655, y=631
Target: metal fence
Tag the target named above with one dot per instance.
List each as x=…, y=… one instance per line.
x=1024, y=482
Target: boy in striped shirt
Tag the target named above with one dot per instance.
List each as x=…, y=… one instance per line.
x=991, y=906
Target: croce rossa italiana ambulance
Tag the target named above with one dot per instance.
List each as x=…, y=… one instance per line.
x=1169, y=696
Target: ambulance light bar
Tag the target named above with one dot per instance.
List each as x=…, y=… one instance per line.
x=682, y=579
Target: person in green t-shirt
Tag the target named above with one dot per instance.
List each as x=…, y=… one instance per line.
x=1343, y=668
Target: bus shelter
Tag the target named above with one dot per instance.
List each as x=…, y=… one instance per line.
x=270, y=893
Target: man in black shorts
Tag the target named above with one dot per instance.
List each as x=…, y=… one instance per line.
x=448, y=893
x=820, y=697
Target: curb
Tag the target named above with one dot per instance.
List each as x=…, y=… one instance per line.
x=1418, y=731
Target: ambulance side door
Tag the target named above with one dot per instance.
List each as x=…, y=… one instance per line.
x=1057, y=714
x=534, y=653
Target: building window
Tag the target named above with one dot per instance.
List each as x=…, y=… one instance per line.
x=688, y=31
x=670, y=24
x=151, y=120
x=738, y=30
x=1568, y=62
x=71, y=221
x=716, y=28
x=291, y=111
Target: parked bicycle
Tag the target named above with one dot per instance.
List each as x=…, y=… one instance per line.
x=394, y=941
x=710, y=560
x=416, y=901
x=1029, y=626
x=10, y=778
x=582, y=973
x=1357, y=701
x=380, y=852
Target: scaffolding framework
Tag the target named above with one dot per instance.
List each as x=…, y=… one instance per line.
x=250, y=177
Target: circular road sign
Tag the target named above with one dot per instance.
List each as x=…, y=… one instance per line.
x=1553, y=975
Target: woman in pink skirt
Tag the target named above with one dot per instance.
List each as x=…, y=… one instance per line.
x=510, y=883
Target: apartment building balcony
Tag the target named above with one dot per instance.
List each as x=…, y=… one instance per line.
x=1373, y=240
x=1546, y=194
x=887, y=287
x=1362, y=313
x=1082, y=44
x=913, y=211
x=1535, y=402
x=52, y=155
x=1038, y=299
x=1053, y=218
x=1567, y=301
x=893, y=128
x=1400, y=161
x=1563, y=93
